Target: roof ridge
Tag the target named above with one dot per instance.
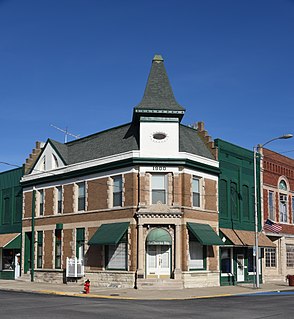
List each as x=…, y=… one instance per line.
x=97, y=133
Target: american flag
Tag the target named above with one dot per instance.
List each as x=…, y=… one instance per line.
x=272, y=226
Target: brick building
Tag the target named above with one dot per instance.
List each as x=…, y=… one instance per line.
x=278, y=207
x=137, y=203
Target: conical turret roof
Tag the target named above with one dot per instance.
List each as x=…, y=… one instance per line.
x=158, y=96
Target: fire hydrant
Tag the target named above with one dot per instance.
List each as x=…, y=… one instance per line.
x=86, y=287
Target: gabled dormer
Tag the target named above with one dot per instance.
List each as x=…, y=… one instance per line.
x=53, y=156
x=158, y=114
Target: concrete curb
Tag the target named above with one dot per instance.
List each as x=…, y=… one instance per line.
x=98, y=296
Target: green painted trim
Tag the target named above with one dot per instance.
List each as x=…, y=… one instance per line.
x=59, y=226
x=125, y=163
x=159, y=119
x=7, y=274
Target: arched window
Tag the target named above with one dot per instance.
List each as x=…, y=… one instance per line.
x=283, y=202
x=283, y=185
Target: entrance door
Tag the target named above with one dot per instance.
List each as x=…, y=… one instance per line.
x=240, y=268
x=158, y=261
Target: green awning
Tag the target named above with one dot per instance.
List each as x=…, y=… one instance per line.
x=159, y=236
x=205, y=234
x=14, y=244
x=109, y=234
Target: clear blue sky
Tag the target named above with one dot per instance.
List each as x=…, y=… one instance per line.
x=83, y=64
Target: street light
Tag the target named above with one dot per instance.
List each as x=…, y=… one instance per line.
x=255, y=150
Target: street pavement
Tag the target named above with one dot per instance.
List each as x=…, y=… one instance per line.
x=74, y=289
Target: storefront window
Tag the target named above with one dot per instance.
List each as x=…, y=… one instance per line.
x=251, y=261
x=196, y=256
x=226, y=263
x=7, y=259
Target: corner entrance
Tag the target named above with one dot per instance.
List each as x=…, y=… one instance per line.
x=158, y=254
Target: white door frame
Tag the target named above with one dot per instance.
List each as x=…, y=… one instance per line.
x=240, y=268
x=158, y=264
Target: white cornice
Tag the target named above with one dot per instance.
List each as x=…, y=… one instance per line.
x=113, y=159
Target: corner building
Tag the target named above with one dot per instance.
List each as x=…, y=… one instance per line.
x=137, y=204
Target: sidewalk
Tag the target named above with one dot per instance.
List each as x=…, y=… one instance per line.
x=117, y=293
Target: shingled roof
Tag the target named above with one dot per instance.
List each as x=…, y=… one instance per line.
x=158, y=98
x=158, y=93
x=122, y=139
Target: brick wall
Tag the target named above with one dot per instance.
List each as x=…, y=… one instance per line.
x=68, y=199
x=186, y=190
x=133, y=248
x=49, y=204
x=131, y=189
x=177, y=181
x=94, y=253
x=144, y=189
x=210, y=195
x=68, y=245
x=48, y=249
x=97, y=194
x=212, y=261
x=28, y=197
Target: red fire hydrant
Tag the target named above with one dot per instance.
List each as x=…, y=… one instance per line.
x=87, y=287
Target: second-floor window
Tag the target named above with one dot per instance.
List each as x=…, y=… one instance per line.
x=196, y=192
x=159, y=188
x=81, y=196
x=59, y=200
x=117, y=191
x=41, y=202
x=271, y=213
x=283, y=208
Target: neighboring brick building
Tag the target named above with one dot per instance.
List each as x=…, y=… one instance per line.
x=278, y=206
x=138, y=202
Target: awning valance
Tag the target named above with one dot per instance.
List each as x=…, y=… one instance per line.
x=159, y=236
x=109, y=234
x=10, y=241
x=205, y=234
x=246, y=238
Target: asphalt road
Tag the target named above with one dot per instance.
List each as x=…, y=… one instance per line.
x=41, y=306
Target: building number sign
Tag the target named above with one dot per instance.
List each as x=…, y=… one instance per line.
x=159, y=168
